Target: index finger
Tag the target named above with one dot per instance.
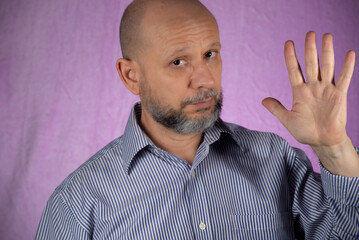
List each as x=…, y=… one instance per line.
x=293, y=67
x=347, y=71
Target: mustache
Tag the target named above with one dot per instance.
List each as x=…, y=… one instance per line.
x=199, y=97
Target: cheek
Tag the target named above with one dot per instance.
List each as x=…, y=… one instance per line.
x=169, y=89
x=176, y=81
x=176, y=90
x=170, y=85
x=217, y=74
x=179, y=78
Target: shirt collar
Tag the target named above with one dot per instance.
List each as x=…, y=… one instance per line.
x=220, y=128
x=134, y=139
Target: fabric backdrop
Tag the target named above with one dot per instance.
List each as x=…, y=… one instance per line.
x=61, y=99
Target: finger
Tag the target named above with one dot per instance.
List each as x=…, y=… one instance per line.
x=311, y=58
x=293, y=67
x=347, y=71
x=277, y=109
x=327, y=61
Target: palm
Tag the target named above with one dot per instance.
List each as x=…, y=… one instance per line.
x=318, y=114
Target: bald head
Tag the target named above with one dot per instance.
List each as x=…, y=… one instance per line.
x=130, y=28
x=139, y=12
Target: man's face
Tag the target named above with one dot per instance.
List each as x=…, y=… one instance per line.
x=181, y=68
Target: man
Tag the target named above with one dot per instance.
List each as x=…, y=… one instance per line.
x=180, y=172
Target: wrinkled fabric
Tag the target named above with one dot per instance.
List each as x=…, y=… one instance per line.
x=61, y=99
x=243, y=184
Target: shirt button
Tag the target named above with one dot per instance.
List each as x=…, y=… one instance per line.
x=156, y=151
x=193, y=174
x=202, y=226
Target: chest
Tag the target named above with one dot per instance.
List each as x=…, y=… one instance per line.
x=221, y=198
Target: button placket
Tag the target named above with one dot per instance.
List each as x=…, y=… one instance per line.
x=199, y=206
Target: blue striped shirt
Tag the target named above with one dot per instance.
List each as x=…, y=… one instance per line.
x=242, y=184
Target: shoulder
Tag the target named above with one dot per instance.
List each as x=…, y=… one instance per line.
x=268, y=145
x=86, y=178
x=74, y=201
x=253, y=138
x=267, y=148
x=263, y=145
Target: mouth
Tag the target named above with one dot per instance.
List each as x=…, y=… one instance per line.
x=204, y=104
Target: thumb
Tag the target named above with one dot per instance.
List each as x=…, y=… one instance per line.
x=276, y=108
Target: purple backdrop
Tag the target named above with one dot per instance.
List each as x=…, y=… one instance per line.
x=61, y=99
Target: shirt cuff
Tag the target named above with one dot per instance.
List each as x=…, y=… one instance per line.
x=339, y=188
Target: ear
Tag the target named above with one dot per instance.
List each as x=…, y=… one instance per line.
x=129, y=72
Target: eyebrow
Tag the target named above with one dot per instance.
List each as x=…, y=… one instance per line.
x=215, y=44
x=177, y=51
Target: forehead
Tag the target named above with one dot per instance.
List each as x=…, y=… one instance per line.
x=179, y=24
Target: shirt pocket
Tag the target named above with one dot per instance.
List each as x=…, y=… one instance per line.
x=263, y=226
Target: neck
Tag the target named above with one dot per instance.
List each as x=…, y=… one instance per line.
x=182, y=145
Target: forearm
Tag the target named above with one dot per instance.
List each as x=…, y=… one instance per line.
x=324, y=207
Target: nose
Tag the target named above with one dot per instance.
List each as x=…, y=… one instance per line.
x=202, y=76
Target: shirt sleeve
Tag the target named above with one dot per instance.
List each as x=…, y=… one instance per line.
x=325, y=206
x=344, y=190
x=59, y=222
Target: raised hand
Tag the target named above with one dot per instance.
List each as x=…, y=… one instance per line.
x=319, y=111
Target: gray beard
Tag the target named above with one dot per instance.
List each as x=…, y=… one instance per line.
x=177, y=120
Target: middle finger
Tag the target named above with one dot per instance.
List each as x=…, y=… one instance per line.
x=311, y=58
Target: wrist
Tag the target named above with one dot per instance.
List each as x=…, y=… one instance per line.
x=340, y=159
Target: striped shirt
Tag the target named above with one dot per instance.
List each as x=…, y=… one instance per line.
x=242, y=184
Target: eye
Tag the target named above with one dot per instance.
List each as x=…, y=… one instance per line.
x=210, y=54
x=178, y=62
